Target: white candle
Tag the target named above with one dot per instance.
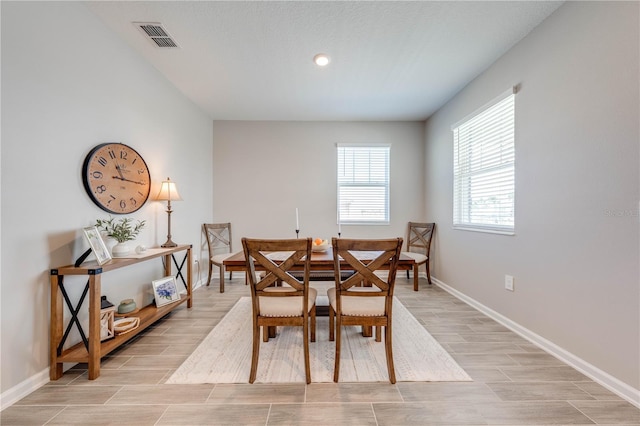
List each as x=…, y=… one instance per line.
x=297, y=220
x=339, y=225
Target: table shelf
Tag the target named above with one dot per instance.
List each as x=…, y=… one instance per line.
x=93, y=350
x=148, y=316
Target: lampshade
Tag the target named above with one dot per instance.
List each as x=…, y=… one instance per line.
x=168, y=192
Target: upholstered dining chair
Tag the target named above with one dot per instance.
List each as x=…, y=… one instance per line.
x=220, y=247
x=278, y=298
x=370, y=305
x=419, y=237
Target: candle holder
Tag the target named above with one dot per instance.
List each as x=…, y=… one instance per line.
x=297, y=233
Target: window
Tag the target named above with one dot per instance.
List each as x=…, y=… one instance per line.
x=363, y=184
x=483, y=168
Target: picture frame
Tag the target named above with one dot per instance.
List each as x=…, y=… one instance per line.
x=97, y=244
x=165, y=291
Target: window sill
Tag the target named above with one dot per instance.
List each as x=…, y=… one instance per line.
x=485, y=230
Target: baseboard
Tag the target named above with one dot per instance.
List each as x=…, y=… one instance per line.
x=197, y=285
x=16, y=393
x=616, y=386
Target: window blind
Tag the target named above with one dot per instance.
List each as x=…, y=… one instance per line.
x=484, y=169
x=363, y=184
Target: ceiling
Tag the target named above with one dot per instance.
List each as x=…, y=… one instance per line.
x=390, y=61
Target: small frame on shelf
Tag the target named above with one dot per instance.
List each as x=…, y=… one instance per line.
x=97, y=245
x=165, y=291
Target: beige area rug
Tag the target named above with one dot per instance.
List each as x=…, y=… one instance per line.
x=225, y=354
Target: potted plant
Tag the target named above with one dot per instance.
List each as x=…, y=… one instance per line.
x=123, y=231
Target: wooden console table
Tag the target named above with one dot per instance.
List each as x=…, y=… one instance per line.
x=91, y=349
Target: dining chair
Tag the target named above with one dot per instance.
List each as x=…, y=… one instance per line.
x=278, y=297
x=220, y=247
x=369, y=305
x=419, y=237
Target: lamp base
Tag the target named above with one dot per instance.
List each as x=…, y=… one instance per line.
x=169, y=243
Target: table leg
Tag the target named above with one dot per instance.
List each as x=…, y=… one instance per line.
x=189, y=282
x=167, y=265
x=55, y=367
x=94, y=326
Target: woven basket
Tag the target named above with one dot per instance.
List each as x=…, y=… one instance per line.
x=126, y=325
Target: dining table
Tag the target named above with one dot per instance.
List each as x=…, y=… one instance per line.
x=322, y=265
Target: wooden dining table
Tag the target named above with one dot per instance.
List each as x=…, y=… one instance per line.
x=322, y=264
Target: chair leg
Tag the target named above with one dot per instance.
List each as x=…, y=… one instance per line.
x=255, y=353
x=336, y=366
x=221, y=279
x=305, y=339
x=428, y=272
x=331, y=323
x=407, y=274
x=367, y=331
x=378, y=333
x=209, y=276
x=389, y=351
x=268, y=332
x=313, y=323
x=415, y=277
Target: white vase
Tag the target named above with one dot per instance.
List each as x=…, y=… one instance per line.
x=108, y=241
x=121, y=249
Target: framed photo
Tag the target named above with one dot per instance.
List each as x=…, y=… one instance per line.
x=165, y=291
x=97, y=244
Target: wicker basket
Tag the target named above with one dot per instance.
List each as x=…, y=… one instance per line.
x=126, y=325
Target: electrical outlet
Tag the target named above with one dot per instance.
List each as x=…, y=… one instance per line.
x=508, y=282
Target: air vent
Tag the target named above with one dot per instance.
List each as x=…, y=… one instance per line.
x=156, y=33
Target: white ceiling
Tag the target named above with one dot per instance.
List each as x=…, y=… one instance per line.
x=389, y=60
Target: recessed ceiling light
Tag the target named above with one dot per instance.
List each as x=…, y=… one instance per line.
x=321, y=60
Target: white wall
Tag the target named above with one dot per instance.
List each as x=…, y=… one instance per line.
x=295, y=162
x=575, y=255
x=69, y=84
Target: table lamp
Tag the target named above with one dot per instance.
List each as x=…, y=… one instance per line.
x=168, y=192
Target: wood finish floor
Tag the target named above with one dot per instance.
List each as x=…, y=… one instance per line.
x=515, y=383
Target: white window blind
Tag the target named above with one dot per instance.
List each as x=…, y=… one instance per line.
x=484, y=169
x=363, y=184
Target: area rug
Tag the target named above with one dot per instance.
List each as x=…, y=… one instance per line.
x=224, y=356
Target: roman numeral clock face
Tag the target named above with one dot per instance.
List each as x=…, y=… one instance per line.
x=116, y=178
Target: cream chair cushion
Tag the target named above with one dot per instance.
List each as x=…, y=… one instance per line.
x=285, y=306
x=219, y=258
x=419, y=258
x=358, y=306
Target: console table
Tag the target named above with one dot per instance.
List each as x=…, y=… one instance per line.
x=91, y=349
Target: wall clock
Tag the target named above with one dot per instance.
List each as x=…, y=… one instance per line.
x=116, y=178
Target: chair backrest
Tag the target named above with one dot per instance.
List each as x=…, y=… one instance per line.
x=276, y=258
x=364, y=257
x=419, y=237
x=218, y=237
